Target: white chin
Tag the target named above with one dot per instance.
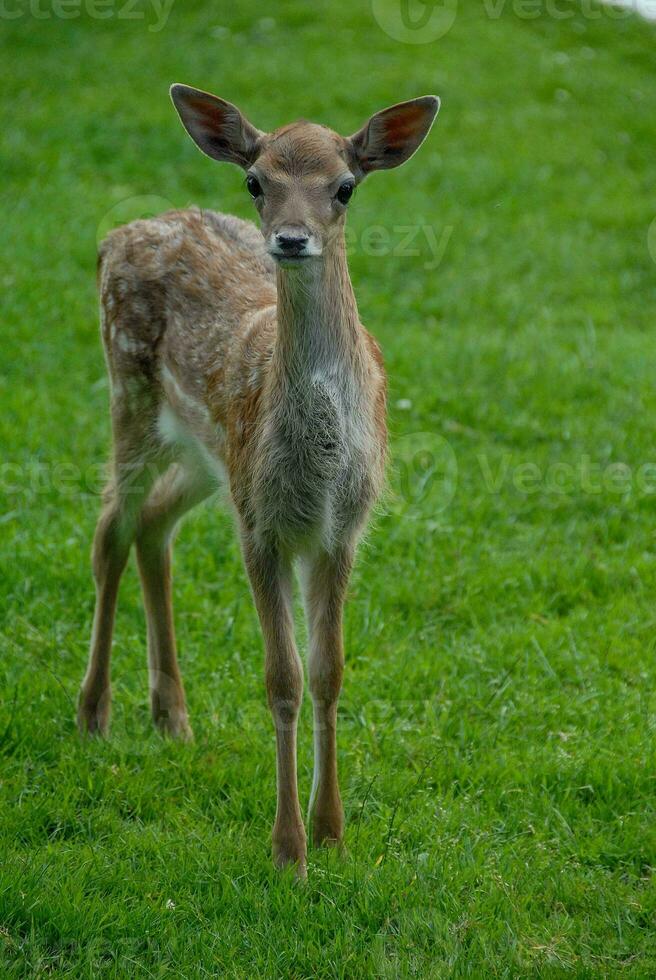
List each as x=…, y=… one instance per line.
x=292, y=261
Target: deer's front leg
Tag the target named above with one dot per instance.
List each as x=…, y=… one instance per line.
x=326, y=580
x=271, y=581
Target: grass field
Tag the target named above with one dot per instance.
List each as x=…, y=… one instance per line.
x=497, y=722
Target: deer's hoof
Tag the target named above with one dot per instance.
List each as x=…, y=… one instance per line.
x=290, y=850
x=334, y=843
x=93, y=714
x=328, y=826
x=175, y=724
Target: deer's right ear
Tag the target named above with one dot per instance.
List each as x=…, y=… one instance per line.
x=216, y=126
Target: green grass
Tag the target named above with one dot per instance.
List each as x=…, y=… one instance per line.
x=497, y=723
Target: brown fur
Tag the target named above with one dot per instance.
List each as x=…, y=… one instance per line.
x=223, y=363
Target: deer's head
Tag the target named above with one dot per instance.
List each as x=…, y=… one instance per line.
x=302, y=176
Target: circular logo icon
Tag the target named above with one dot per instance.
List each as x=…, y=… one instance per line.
x=651, y=240
x=415, y=21
x=131, y=209
x=423, y=474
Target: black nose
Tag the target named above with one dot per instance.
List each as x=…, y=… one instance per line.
x=292, y=244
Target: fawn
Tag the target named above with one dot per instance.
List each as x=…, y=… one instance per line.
x=237, y=355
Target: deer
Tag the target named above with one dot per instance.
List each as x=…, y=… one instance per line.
x=236, y=358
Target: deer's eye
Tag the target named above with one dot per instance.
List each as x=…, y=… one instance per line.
x=345, y=192
x=254, y=186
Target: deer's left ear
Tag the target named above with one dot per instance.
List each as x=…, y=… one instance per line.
x=390, y=137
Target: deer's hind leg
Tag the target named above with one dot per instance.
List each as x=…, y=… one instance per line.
x=175, y=492
x=134, y=472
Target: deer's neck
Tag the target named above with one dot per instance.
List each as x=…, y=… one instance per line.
x=318, y=324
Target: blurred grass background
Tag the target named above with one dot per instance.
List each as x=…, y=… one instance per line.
x=497, y=721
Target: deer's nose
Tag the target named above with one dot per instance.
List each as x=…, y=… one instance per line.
x=291, y=243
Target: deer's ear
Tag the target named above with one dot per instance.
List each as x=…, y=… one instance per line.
x=390, y=137
x=216, y=126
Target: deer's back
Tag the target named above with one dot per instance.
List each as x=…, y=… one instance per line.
x=175, y=290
